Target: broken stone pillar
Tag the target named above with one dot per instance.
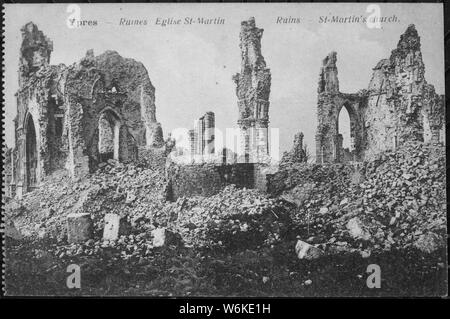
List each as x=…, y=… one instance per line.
x=328, y=80
x=105, y=137
x=79, y=227
x=297, y=153
x=199, y=128
x=35, y=50
x=153, y=131
x=155, y=136
x=77, y=161
x=339, y=151
x=209, y=132
x=191, y=136
x=253, y=90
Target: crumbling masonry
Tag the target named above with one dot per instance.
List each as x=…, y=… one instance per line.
x=201, y=138
x=399, y=105
x=78, y=116
x=203, y=177
x=253, y=90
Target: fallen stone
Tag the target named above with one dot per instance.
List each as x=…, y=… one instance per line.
x=159, y=237
x=357, y=229
x=112, y=227
x=407, y=176
x=49, y=212
x=340, y=248
x=42, y=233
x=79, y=227
x=12, y=232
x=365, y=253
x=130, y=198
x=307, y=251
x=428, y=242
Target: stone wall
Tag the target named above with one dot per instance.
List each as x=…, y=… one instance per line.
x=208, y=179
x=39, y=146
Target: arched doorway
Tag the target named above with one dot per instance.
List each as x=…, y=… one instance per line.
x=108, y=136
x=31, y=154
x=345, y=135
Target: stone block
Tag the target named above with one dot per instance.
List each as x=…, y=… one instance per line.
x=79, y=227
x=159, y=237
x=112, y=227
x=115, y=226
x=358, y=229
x=163, y=237
x=307, y=251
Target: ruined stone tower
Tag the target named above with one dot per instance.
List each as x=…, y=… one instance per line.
x=398, y=106
x=40, y=112
x=253, y=90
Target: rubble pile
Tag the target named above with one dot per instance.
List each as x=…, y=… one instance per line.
x=396, y=201
x=233, y=218
x=132, y=192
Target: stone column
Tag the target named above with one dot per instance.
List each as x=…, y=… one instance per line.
x=77, y=161
x=253, y=90
x=209, y=132
x=191, y=136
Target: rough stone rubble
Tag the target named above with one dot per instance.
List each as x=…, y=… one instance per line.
x=393, y=200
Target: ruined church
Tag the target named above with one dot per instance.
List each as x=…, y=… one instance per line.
x=103, y=107
x=398, y=106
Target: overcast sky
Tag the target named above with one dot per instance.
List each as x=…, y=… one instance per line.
x=191, y=65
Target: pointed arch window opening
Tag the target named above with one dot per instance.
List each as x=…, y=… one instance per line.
x=31, y=154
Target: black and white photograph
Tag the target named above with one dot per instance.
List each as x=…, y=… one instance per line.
x=224, y=150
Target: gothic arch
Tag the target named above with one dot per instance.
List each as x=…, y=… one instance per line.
x=109, y=124
x=328, y=138
x=340, y=153
x=31, y=153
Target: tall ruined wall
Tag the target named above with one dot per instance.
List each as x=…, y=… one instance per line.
x=59, y=107
x=253, y=90
x=398, y=106
x=329, y=105
x=39, y=111
x=401, y=105
x=116, y=85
